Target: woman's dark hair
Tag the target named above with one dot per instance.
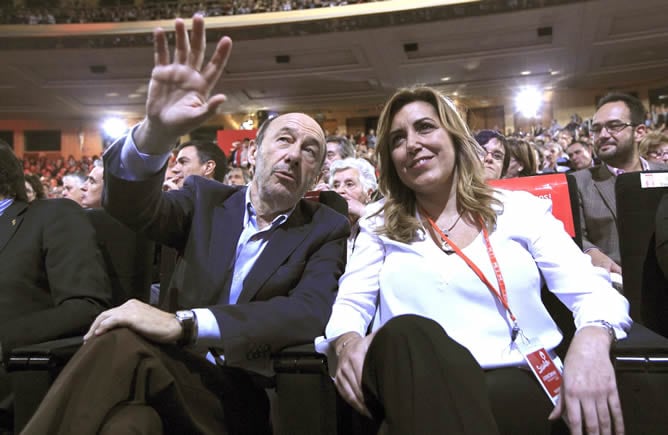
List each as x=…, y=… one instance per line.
x=37, y=186
x=12, y=182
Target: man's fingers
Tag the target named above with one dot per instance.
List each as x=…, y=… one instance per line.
x=160, y=49
x=198, y=43
x=216, y=65
x=96, y=323
x=182, y=42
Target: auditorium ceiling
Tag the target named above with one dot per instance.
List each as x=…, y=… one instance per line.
x=347, y=60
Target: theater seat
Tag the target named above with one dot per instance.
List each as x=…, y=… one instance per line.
x=128, y=259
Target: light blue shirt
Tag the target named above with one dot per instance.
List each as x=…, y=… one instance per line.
x=4, y=205
x=135, y=165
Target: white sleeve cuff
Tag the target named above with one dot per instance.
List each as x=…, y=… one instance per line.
x=208, y=332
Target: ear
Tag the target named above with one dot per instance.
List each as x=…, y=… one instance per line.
x=640, y=132
x=209, y=167
x=252, y=153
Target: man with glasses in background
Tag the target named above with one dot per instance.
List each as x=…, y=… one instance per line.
x=617, y=128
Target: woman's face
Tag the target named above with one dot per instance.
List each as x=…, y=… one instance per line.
x=422, y=151
x=514, y=168
x=30, y=192
x=659, y=154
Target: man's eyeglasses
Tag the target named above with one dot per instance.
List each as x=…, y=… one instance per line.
x=612, y=127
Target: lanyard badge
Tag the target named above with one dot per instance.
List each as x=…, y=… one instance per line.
x=546, y=370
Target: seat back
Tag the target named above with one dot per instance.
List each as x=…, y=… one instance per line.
x=559, y=188
x=128, y=257
x=638, y=195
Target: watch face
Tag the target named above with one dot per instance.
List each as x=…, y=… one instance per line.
x=184, y=315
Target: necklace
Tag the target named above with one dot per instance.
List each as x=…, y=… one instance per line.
x=445, y=247
x=447, y=232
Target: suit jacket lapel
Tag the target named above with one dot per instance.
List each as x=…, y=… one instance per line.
x=284, y=240
x=604, y=182
x=10, y=221
x=226, y=227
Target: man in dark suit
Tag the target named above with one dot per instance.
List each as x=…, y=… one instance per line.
x=617, y=129
x=259, y=270
x=52, y=278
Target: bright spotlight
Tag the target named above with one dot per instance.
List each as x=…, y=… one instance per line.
x=528, y=102
x=114, y=127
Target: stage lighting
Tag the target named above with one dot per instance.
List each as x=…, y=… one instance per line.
x=114, y=127
x=528, y=102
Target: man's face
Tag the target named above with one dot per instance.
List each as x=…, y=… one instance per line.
x=92, y=189
x=287, y=161
x=72, y=190
x=236, y=177
x=579, y=155
x=616, y=148
x=187, y=164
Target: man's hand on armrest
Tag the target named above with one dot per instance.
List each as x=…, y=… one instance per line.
x=599, y=259
x=147, y=321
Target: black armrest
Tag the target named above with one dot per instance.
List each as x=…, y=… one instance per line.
x=47, y=355
x=300, y=359
x=643, y=349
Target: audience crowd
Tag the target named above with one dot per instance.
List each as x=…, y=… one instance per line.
x=549, y=149
x=158, y=11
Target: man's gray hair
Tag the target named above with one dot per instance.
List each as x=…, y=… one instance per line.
x=77, y=178
x=367, y=173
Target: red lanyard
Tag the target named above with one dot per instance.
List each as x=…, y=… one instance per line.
x=501, y=293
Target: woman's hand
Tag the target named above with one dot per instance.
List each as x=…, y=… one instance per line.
x=351, y=349
x=589, y=396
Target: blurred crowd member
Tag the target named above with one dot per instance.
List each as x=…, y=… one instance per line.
x=580, y=155
x=496, y=157
x=564, y=138
x=355, y=180
x=654, y=147
x=239, y=154
x=338, y=148
x=202, y=158
x=34, y=188
x=91, y=189
x=72, y=186
x=522, y=162
x=617, y=128
x=552, y=154
x=237, y=177
x=52, y=280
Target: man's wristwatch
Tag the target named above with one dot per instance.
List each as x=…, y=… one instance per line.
x=188, y=322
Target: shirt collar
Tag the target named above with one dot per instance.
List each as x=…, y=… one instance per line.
x=616, y=171
x=5, y=204
x=250, y=215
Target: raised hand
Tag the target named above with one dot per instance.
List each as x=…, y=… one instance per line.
x=179, y=94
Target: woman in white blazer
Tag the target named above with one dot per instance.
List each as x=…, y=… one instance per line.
x=450, y=272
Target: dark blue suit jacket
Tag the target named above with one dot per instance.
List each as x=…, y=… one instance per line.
x=288, y=294
x=52, y=278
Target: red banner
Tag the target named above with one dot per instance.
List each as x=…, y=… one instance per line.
x=553, y=187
